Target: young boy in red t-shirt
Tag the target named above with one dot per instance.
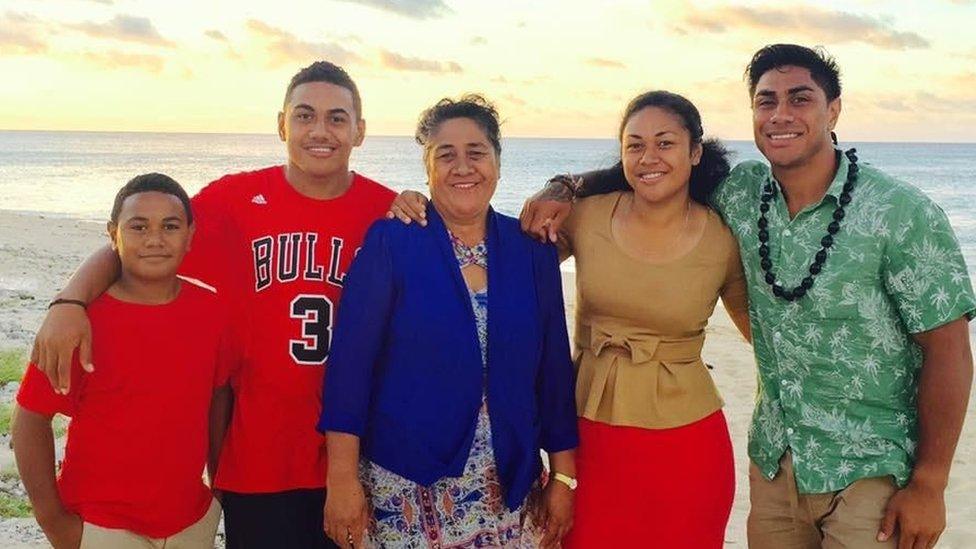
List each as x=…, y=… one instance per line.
x=138, y=441
x=276, y=243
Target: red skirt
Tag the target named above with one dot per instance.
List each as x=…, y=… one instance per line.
x=649, y=488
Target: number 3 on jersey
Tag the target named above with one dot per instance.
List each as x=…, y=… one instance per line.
x=315, y=312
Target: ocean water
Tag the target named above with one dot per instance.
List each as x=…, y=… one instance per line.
x=78, y=173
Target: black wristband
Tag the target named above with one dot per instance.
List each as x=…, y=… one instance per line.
x=60, y=301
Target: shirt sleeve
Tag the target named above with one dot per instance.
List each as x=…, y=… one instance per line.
x=37, y=395
x=209, y=256
x=230, y=350
x=557, y=381
x=924, y=271
x=734, y=191
x=360, y=334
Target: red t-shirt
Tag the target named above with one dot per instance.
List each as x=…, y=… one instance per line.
x=138, y=437
x=280, y=258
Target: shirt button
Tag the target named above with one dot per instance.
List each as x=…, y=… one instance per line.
x=777, y=335
x=783, y=382
x=786, y=232
x=789, y=430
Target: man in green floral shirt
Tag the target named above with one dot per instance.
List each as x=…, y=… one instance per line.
x=859, y=302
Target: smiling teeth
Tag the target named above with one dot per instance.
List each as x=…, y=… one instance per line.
x=783, y=135
x=652, y=175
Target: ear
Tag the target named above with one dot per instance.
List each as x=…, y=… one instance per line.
x=360, y=132
x=113, y=232
x=282, y=134
x=833, y=113
x=696, y=154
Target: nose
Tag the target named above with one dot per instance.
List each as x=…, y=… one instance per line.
x=318, y=127
x=782, y=113
x=154, y=238
x=462, y=167
x=649, y=156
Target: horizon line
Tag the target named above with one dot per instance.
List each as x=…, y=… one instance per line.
x=158, y=132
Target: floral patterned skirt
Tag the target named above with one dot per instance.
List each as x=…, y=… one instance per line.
x=462, y=512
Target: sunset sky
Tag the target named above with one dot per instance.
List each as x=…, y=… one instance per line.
x=555, y=68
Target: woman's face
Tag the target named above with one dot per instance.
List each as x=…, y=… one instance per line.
x=657, y=154
x=462, y=169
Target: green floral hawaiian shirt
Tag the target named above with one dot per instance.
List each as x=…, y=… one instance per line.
x=838, y=369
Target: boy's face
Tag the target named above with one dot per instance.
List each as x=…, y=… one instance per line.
x=320, y=128
x=792, y=117
x=152, y=235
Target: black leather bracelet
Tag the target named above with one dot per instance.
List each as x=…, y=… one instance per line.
x=60, y=301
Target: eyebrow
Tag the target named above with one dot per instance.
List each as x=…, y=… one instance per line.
x=658, y=134
x=143, y=218
x=306, y=106
x=791, y=91
x=477, y=144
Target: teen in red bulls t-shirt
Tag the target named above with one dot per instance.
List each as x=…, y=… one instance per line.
x=276, y=243
x=132, y=473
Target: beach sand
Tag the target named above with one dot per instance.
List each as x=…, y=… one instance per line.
x=38, y=253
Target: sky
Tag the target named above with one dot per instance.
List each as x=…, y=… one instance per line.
x=558, y=68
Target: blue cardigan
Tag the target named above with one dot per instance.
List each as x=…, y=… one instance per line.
x=405, y=372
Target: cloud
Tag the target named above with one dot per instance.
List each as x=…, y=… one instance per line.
x=896, y=104
x=124, y=27
x=812, y=23
x=479, y=41
x=415, y=9
x=20, y=34
x=286, y=48
x=514, y=100
x=394, y=61
x=216, y=35
x=121, y=60
x=605, y=63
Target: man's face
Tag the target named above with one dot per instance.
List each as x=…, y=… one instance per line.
x=320, y=127
x=791, y=117
x=152, y=235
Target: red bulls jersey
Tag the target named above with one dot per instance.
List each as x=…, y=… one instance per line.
x=279, y=258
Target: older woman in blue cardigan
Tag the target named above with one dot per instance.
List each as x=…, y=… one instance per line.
x=450, y=367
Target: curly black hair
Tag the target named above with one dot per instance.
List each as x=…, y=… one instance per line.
x=471, y=106
x=823, y=68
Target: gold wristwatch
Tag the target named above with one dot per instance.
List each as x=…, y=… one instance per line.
x=569, y=481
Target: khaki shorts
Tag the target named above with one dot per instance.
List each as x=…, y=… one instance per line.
x=782, y=518
x=199, y=535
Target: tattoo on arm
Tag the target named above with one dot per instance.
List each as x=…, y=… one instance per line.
x=558, y=190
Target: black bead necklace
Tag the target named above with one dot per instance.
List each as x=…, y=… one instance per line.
x=825, y=243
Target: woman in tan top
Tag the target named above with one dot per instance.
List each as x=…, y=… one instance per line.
x=654, y=463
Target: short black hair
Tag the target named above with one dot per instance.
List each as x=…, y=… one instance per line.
x=324, y=71
x=151, y=182
x=714, y=165
x=822, y=66
x=471, y=106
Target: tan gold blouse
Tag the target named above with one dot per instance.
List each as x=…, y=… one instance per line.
x=640, y=326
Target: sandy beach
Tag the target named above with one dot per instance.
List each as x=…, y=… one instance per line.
x=38, y=252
